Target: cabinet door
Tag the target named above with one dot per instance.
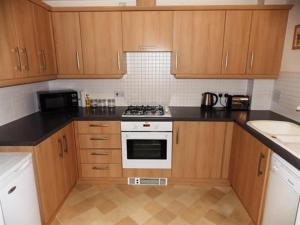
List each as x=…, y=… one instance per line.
x=198, y=43
x=147, y=31
x=198, y=149
x=70, y=163
x=266, y=41
x=10, y=63
x=236, y=42
x=102, y=42
x=24, y=18
x=249, y=171
x=45, y=43
x=67, y=43
x=49, y=163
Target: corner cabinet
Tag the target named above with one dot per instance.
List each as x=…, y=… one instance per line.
x=249, y=171
x=201, y=150
x=56, y=170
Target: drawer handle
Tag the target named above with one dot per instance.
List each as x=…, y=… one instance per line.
x=99, y=139
x=100, y=168
x=95, y=153
x=98, y=125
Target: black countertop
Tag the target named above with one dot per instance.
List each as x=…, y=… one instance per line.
x=33, y=129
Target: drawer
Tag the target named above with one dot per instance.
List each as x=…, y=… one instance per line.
x=101, y=170
x=100, y=156
x=99, y=127
x=100, y=141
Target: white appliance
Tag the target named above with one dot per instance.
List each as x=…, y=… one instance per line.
x=18, y=196
x=146, y=145
x=283, y=192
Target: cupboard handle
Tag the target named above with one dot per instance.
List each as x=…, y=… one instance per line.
x=226, y=60
x=45, y=59
x=252, y=59
x=98, y=125
x=95, y=153
x=118, y=60
x=77, y=60
x=176, y=60
x=26, y=67
x=177, y=136
x=66, y=150
x=99, y=139
x=259, y=171
x=147, y=47
x=18, y=59
x=42, y=60
x=61, y=153
x=100, y=168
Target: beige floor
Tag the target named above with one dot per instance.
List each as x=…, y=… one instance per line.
x=146, y=205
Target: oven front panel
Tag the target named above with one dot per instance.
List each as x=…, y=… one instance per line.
x=147, y=150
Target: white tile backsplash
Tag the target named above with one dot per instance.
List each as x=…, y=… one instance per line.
x=148, y=81
x=19, y=101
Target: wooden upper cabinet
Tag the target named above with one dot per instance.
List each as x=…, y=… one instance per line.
x=101, y=34
x=198, y=43
x=45, y=42
x=249, y=171
x=10, y=63
x=147, y=31
x=236, y=42
x=67, y=42
x=198, y=149
x=23, y=12
x=266, y=42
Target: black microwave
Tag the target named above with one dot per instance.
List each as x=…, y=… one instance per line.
x=60, y=100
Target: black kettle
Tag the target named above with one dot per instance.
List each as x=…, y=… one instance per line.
x=208, y=100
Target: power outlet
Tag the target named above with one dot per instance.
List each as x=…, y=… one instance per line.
x=119, y=94
x=298, y=108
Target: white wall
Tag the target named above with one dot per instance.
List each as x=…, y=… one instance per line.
x=286, y=95
x=19, y=101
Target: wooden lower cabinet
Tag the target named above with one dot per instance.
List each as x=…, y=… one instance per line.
x=56, y=170
x=249, y=171
x=200, y=149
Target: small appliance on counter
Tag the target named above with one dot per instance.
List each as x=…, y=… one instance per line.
x=238, y=102
x=58, y=100
x=209, y=100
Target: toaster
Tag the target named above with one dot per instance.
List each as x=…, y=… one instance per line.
x=238, y=102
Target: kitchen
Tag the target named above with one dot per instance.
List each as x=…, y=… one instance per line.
x=149, y=112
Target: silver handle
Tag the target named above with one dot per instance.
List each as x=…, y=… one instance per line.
x=98, y=125
x=99, y=139
x=118, y=60
x=66, y=150
x=42, y=60
x=100, y=168
x=78, y=60
x=252, y=59
x=26, y=67
x=18, y=59
x=259, y=171
x=95, y=153
x=61, y=152
x=147, y=47
x=176, y=60
x=45, y=59
x=177, y=136
x=226, y=61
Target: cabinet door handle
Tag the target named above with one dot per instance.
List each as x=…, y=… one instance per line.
x=226, y=60
x=18, y=59
x=99, y=139
x=78, y=60
x=259, y=171
x=118, y=60
x=45, y=59
x=100, y=168
x=147, y=47
x=98, y=125
x=42, y=60
x=66, y=150
x=95, y=153
x=26, y=67
x=252, y=60
x=61, y=152
x=176, y=60
x=177, y=136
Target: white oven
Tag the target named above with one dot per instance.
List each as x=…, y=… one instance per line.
x=147, y=145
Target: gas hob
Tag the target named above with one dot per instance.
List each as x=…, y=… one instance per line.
x=146, y=111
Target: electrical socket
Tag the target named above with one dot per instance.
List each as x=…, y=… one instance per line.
x=119, y=94
x=298, y=108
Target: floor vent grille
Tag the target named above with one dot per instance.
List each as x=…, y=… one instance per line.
x=147, y=181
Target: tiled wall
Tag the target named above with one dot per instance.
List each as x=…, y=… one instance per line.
x=148, y=81
x=18, y=101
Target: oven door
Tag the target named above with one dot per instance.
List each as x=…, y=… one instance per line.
x=147, y=150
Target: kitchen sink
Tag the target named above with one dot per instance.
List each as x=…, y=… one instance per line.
x=285, y=134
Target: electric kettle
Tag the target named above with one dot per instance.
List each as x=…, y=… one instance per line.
x=209, y=100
